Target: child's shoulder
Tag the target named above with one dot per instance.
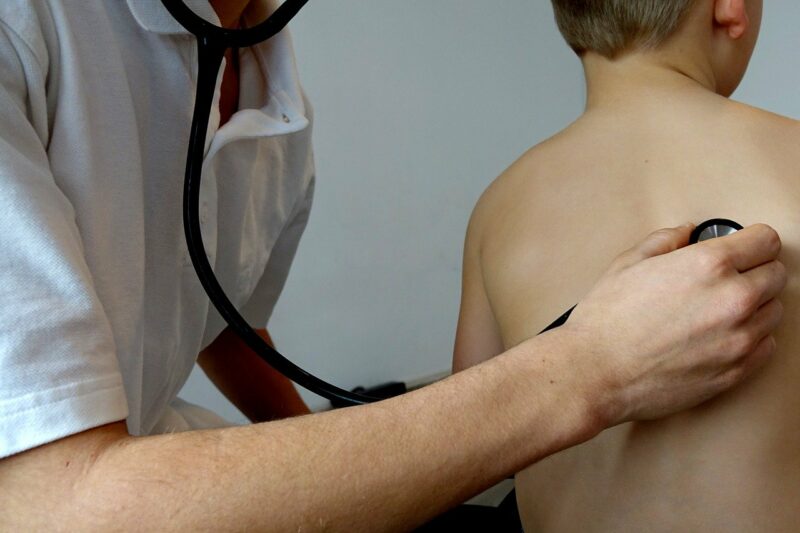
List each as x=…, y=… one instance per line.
x=773, y=125
x=537, y=175
x=773, y=138
x=758, y=114
x=530, y=188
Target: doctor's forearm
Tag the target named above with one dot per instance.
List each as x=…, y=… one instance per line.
x=387, y=466
x=255, y=388
x=369, y=468
x=636, y=348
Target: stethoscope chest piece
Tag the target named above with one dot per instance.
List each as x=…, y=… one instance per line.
x=711, y=229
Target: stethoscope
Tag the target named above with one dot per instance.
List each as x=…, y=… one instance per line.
x=212, y=42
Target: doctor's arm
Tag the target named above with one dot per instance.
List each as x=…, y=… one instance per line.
x=393, y=465
x=254, y=387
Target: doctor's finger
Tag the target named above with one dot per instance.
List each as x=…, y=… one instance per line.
x=747, y=248
x=746, y=366
x=659, y=242
x=762, y=325
x=763, y=283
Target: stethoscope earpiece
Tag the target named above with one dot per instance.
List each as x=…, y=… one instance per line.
x=711, y=229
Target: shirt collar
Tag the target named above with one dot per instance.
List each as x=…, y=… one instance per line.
x=153, y=16
x=277, y=54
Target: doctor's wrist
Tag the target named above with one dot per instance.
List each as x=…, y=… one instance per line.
x=595, y=385
x=559, y=364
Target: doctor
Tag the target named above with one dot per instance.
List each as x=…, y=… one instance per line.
x=102, y=317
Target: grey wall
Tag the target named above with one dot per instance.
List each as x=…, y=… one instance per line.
x=419, y=105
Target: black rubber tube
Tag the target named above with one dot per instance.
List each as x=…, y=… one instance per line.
x=210, y=54
x=212, y=42
x=234, y=38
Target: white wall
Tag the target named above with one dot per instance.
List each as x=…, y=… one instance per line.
x=419, y=105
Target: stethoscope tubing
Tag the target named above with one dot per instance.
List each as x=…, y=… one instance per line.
x=212, y=42
x=234, y=38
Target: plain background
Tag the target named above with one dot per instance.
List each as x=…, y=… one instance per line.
x=419, y=104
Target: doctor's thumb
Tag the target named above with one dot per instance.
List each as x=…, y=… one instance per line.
x=657, y=243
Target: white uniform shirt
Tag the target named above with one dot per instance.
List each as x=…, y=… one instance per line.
x=101, y=313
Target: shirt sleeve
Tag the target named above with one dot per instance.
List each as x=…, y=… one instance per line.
x=59, y=373
x=258, y=309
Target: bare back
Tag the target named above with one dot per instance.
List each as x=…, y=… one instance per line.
x=546, y=231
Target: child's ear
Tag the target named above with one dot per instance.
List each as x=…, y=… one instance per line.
x=731, y=16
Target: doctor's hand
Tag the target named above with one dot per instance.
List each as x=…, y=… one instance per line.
x=670, y=326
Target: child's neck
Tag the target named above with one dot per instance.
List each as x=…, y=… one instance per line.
x=638, y=77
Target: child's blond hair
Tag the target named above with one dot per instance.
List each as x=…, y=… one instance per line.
x=610, y=27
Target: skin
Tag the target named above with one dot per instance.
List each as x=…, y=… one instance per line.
x=230, y=13
x=428, y=450
x=391, y=466
x=659, y=142
x=255, y=388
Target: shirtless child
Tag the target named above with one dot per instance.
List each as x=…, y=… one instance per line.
x=659, y=144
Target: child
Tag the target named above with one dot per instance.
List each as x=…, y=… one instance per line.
x=659, y=144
